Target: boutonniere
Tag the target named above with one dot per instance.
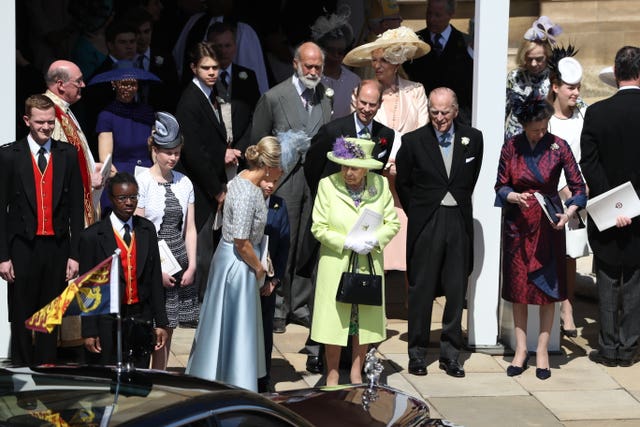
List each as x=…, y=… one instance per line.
x=554, y=146
x=372, y=191
x=159, y=60
x=276, y=206
x=383, y=141
x=221, y=100
x=243, y=75
x=464, y=141
x=329, y=92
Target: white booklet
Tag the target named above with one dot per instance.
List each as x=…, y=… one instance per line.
x=366, y=225
x=168, y=263
x=620, y=200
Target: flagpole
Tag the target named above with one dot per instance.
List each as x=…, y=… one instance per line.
x=119, y=365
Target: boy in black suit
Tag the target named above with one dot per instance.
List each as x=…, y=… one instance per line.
x=141, y=292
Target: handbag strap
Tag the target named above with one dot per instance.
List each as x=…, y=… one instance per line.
x=353, y=263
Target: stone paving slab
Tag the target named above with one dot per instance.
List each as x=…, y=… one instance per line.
x=512, y=411
x=590, y=405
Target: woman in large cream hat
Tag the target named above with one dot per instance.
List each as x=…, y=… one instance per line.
x=404, y=107
x=341, y=199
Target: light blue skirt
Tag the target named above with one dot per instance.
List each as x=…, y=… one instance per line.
x=229, y=345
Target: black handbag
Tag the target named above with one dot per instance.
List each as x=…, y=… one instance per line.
x=359, y=288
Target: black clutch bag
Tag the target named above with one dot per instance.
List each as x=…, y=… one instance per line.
x=359, y=288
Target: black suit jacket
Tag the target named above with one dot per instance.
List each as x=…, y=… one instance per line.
x=162, y=96
x=205, y=143
x=453, y=68
x=18, y=215
x=317, y=166
x=610, y=156
x=244, y=86
x=98, y=242
x=422, y=180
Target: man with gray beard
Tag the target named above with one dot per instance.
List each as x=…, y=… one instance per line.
x=293, y=111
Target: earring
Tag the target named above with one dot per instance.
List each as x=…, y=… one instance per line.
x=267, y=172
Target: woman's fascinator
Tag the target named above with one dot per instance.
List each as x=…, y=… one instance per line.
x=166, y=131
x=563, y=66
x=333, y=26
x=293, y=145
x=399, y=45
x=528, y=108
x=543, y=30
x=354, y=152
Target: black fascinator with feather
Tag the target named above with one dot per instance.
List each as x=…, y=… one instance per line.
x=530, y=108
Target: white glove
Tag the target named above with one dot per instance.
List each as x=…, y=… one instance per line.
x=360, y=247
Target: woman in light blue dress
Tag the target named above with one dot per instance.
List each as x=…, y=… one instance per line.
x=228, y=344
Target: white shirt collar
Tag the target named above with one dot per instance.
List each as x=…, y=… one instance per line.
x=297, y=83
x=203, y=87
x=118, y=224
x=628, y=87
x=445, y=35
x=34, y=147
x=360, y=125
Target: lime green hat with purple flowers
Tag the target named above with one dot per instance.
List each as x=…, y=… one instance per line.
x=354, y=152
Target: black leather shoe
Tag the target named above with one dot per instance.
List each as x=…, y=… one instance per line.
x=596, y=357
x=625, y=363
x=314, y=364
x=452, y=368
x=418, y=367
x=543, y=374
x=279, y=326
x=513, y=370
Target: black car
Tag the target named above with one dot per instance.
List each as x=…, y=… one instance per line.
x=98, y=396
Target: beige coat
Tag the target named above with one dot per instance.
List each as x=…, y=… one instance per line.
x=334, y=213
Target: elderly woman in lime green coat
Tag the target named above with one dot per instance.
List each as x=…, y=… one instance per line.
x=340, y=200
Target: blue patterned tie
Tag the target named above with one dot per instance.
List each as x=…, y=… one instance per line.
x=364, y=133
x=437, y=43
x=444, y=141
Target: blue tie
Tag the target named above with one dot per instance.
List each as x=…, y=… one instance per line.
x=444, y=141
x=364, y=133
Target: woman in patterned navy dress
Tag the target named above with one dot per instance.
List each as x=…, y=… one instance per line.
x=533, y=266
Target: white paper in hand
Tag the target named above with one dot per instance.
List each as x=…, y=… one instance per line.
x=605, y=208
x=366, y=225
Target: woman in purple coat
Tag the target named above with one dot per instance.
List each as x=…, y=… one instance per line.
x=533, y=266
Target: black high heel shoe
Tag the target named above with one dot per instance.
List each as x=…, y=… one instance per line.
x=543, y=374
x=569, y=333
x=512, y=370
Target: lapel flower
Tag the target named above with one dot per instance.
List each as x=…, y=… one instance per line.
x=243, y=75
x=372, y=191
x=221, y=100
x=383, y=142
x=329, y=92
x=554, y=146
x=159, y=60
x=276, y=206
x=464, y=141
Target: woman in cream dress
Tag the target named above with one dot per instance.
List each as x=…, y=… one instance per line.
x=404, y=109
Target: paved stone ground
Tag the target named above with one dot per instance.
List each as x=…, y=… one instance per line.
x=579, y=393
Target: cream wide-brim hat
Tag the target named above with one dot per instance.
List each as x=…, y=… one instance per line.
x=406, y=41
x=608, y=77
x=366, y=162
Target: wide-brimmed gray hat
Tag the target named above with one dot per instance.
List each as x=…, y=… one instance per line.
x=608, y=77
x=354, y=152
x=166, y=133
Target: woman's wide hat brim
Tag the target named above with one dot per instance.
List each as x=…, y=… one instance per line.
x=360, y=56
x=119, y=74
x=372, y=164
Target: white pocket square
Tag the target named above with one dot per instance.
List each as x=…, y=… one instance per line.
x=469, y=159
x=381, y=154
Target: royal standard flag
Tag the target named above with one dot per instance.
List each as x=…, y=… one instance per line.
x=95, y=292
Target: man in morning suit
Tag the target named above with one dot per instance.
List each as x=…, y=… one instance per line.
x=438, y=166
x=235, y=81
x=141, y=291
x=41, y=217
x=449, y=63
x=610, y=157
x=360, y=124
x=296, y=104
